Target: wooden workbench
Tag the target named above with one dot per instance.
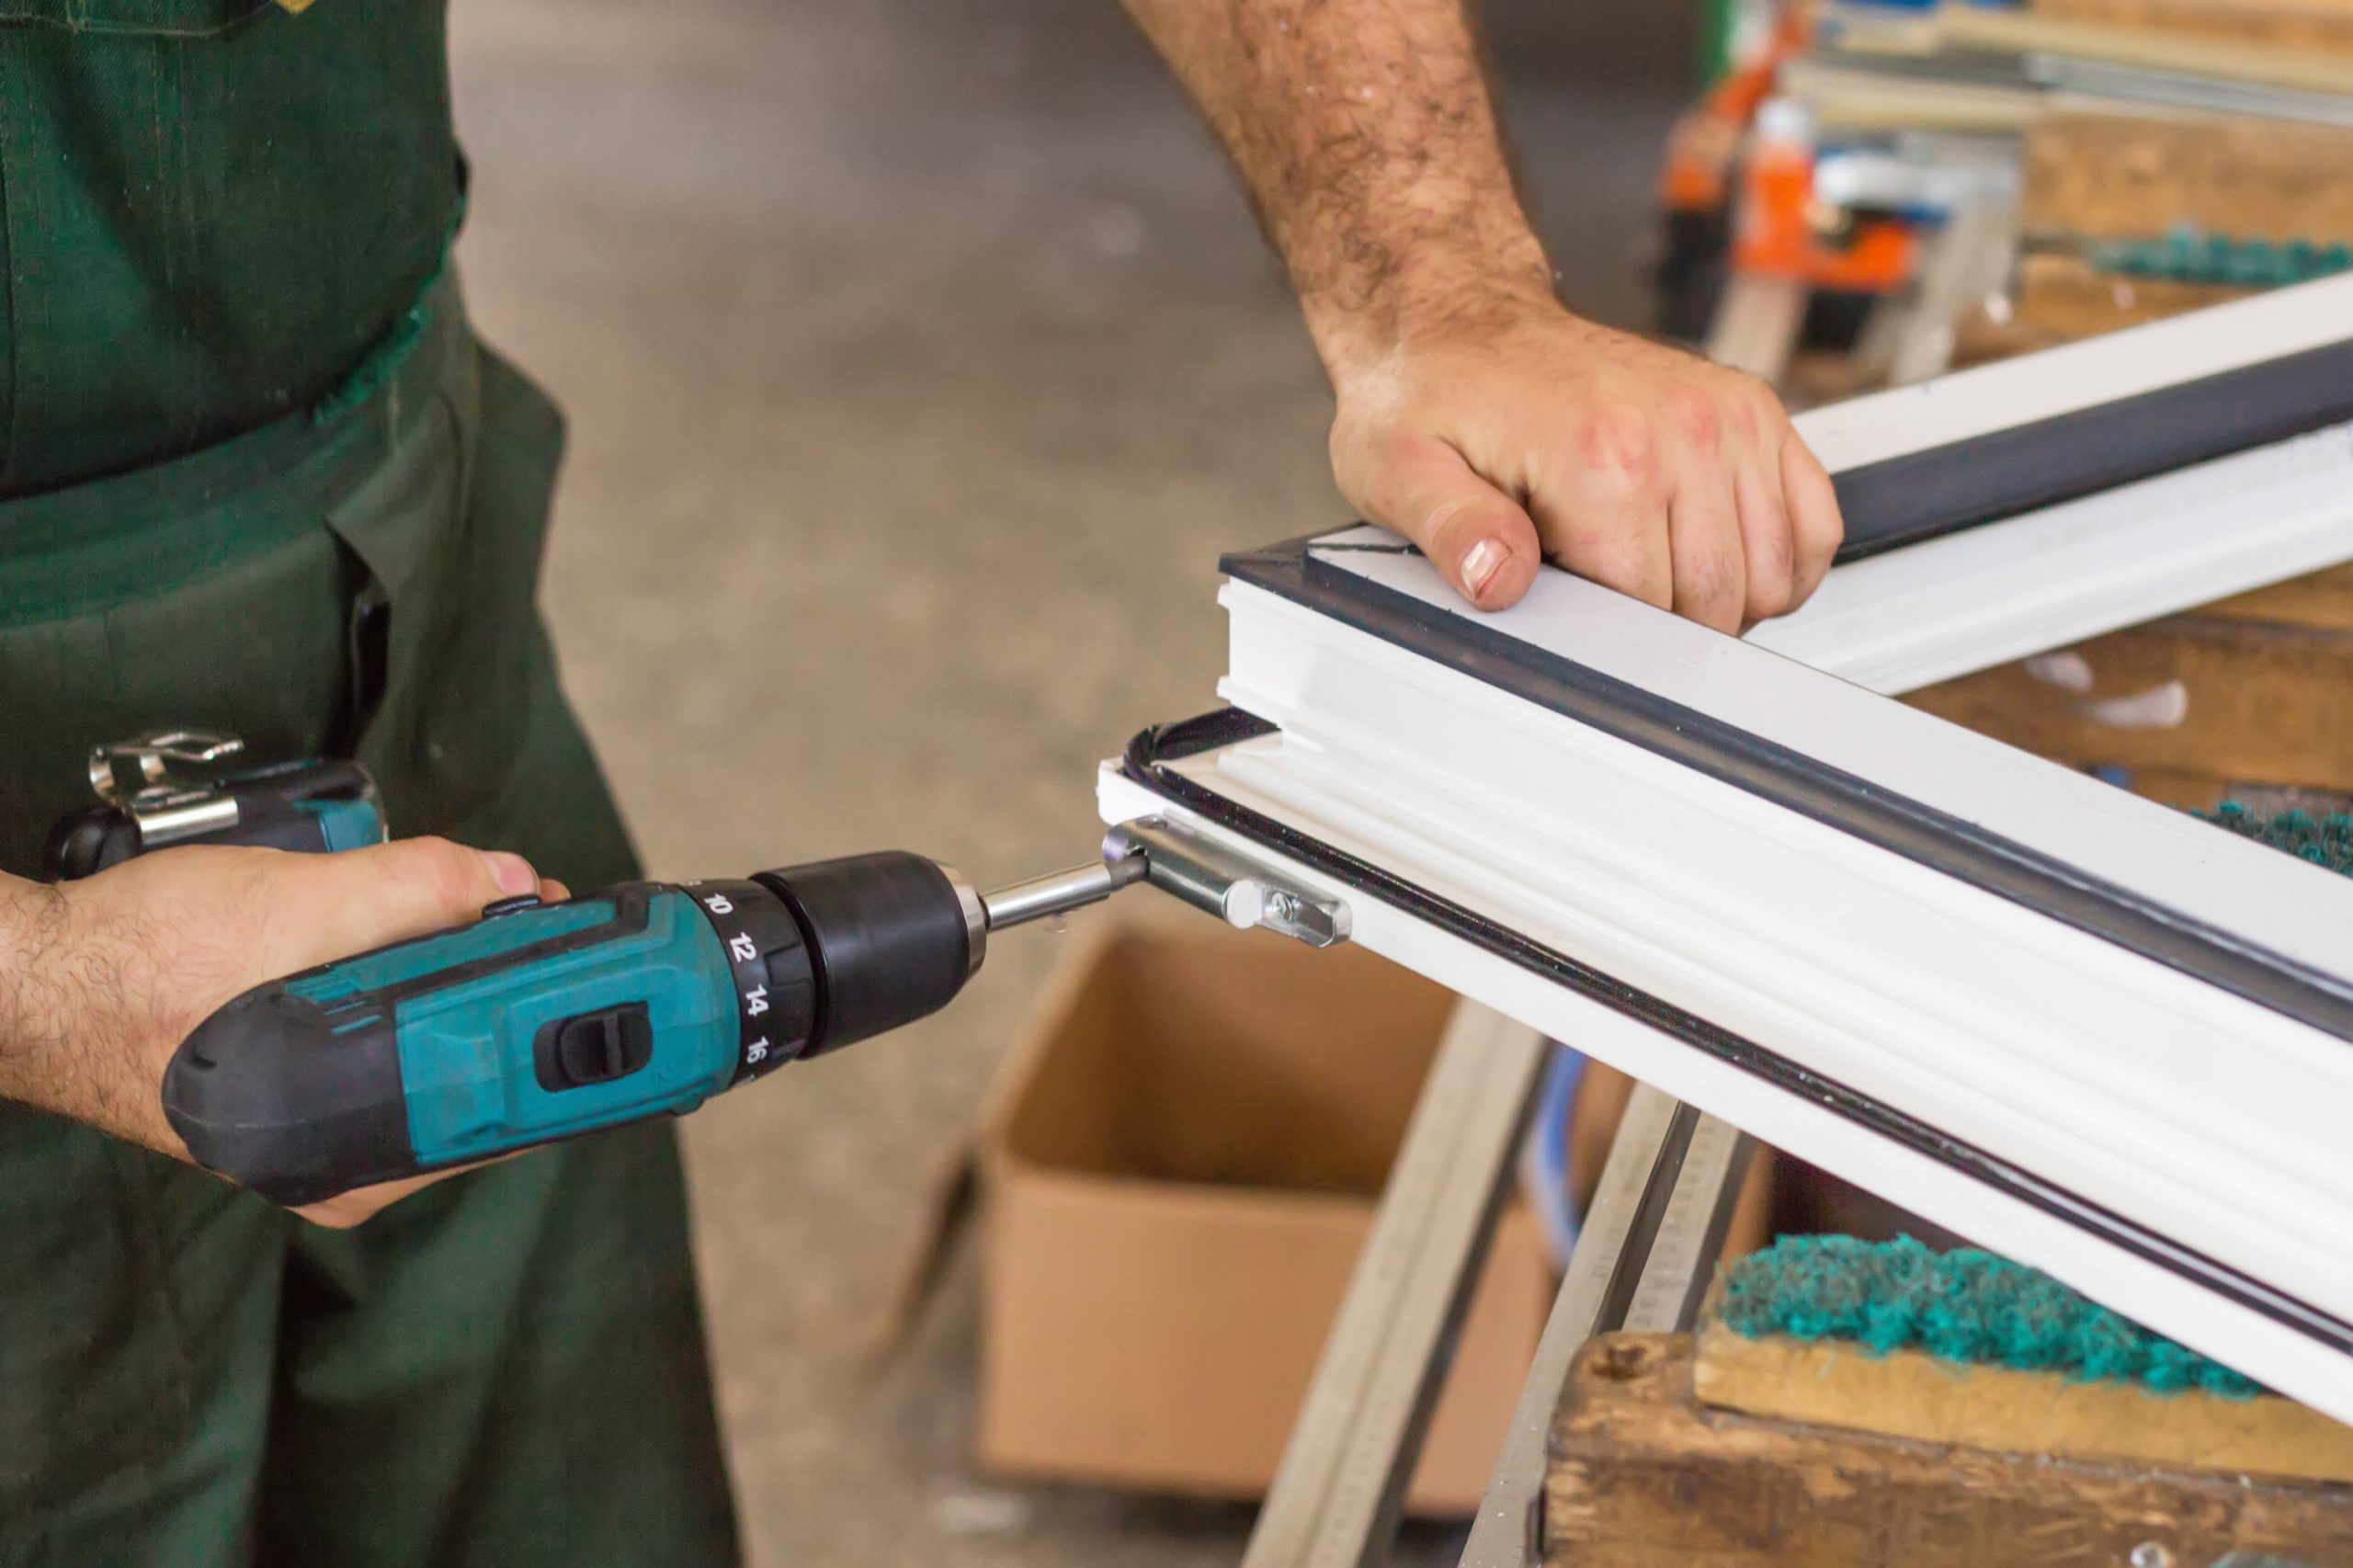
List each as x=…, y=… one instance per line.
x=1640, y=1475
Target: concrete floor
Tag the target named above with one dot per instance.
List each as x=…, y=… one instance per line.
x=921, y=359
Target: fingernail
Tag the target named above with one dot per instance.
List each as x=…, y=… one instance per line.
x=1479, y=567
x=512, y=873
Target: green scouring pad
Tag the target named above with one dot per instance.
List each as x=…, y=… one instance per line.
x=1963, y=1306
x=2193, y=255
x=1966, y=1348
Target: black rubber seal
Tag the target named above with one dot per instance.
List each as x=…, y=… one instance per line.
x=1766, y=769
x=1146, y=764
x=1923, y=495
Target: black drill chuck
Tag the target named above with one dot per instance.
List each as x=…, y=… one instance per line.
x=892, y=938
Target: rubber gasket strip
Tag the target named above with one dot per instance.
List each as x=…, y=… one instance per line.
x=1920, y=495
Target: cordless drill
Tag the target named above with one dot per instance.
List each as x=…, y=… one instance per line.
x=543, y=1021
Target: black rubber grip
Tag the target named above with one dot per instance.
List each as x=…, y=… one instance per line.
x=267, y=1093
x=888, y=935
x=88, y=842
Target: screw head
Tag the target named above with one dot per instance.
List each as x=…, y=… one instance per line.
x=2149, y=1554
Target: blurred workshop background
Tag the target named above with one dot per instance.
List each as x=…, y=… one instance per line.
x=937, y=330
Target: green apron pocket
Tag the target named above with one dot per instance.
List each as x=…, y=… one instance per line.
x=93, y=1373
x=256, y=649
x=169, y=18
x=445, y=632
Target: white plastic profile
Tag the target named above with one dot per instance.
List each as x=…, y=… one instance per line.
x=2204, y=1121
x=2049, y=578
x=2058, y=575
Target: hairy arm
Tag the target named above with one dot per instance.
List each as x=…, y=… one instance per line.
x=1476, y=415
x=1365, y=133
x=36, y=971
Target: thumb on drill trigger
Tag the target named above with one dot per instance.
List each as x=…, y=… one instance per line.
x=360, y=899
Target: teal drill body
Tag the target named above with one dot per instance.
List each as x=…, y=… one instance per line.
x=543, y=1021
x=464, y=999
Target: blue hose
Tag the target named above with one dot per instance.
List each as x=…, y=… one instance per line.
x=1545, y=1157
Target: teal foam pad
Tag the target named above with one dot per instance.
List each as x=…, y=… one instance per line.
x=2193, y=255
x=2325, y=841
x=1964, y=1306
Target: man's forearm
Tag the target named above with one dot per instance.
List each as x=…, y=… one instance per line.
x=62, y=996
x=1366, y=133
x=32, y=927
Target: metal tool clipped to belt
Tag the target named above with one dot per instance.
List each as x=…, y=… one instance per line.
x=196, y=787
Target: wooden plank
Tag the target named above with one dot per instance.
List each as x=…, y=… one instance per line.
x=2225, y=698
x=1910, y=1394
x=2057, y=299
x=2061, y=298
x=2183, y=789
x=1640, y=1476
x=2121, y=177
x=2260, y=62
x=1994, y=332
x=2303, y=24
x=1851, y=101
x=2322, y=600
x=2269, y=729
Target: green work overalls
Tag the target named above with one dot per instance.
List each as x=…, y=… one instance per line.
x=255, y=474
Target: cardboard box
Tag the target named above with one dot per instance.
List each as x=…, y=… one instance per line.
x=1180, y=1166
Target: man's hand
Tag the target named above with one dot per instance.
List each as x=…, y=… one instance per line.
x=100, y=980
x=1476, y=415
x=1524, y=433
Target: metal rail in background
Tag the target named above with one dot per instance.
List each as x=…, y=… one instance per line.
x=1643, y=1261
x=1756, y=323
x=1336, y=1496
